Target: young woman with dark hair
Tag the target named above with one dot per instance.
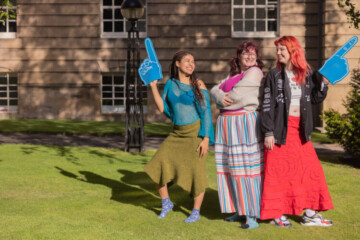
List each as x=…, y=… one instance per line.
x=238, y=145
x=182, y=156
x=294, y=179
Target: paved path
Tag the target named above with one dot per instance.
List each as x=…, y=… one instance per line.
x=113, y=141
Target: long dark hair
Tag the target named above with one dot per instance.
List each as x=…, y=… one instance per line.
x=244, y=47
x=174, y=73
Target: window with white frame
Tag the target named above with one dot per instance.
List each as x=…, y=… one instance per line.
x=255, y=18
x=113, y=95
x=8, y=92
x=8, y=25
x=114, y=25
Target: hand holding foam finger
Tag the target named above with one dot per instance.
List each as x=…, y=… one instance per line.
x=150, y=68
x=336, y=68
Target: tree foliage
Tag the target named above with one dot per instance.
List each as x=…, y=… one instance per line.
x=352, y=13
x=4, y=12
x=345, y=128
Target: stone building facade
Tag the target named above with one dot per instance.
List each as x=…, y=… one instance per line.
x=66, y=59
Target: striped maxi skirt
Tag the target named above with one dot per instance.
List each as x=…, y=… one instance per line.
x=239, y=163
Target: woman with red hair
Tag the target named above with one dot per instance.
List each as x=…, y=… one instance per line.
x=294, y=180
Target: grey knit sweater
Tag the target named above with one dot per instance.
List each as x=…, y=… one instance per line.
x=245, y=94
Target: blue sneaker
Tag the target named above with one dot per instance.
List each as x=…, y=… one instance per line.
x=250, y=223
x=316, y=220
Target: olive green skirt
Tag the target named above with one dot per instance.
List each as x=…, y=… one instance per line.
x=177, y=160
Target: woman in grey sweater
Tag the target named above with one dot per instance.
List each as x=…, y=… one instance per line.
x=238, y=145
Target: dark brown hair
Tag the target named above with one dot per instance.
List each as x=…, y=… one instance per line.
x=244, y=47
x=174, y=73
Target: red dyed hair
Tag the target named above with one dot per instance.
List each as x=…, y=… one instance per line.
x=297, y=58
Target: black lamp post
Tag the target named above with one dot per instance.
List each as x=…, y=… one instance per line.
x=132, y=10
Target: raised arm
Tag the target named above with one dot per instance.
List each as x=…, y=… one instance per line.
x=160, y=101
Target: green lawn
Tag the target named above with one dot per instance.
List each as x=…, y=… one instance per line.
x=96, y=128
x=76, y=127
x=94, y=193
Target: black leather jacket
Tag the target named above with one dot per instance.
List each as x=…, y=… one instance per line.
x=276, y=104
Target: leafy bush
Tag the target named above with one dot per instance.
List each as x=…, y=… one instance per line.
x=345, y=128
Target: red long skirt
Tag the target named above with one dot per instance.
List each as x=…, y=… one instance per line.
x=294, y=179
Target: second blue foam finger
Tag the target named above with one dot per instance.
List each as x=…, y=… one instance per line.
x=150, y=50
x=347, y=47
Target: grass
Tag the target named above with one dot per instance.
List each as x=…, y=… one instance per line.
x=321, y=138
x=96, y=128
x=52, y=192
x=76, y=127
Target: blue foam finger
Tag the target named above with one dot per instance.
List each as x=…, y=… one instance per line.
x=150, y=68
x=150, y=50
x=346, y=47
x=336, y=68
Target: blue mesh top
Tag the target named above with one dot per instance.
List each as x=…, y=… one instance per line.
x=180, y=106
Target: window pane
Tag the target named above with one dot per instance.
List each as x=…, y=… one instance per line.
x=107, y=2
x=12, y=12
x=107, y=102
x=13, y=94
x=238, y=13
x=272, y=12
x=107, y=26
x=249, y=2
x=260, y=13
x=119, y=94
x=118, y=14
x=2, y=27
x=118, y=2
x=3, y=102
x=260, y=26
x=249, y=26
x=119, y=89
x=238, y=26
x=119, y=102
x=249, y=13
x=3, y=94
x=107, y=80
x=13, y=80
x=107, y=13
x=3, y=88
x=141, y=26
x=119, y=26
x=107, y=89
x=272, y=26
x=13, y=88
x=13, y=102
x=238, y=2
x=118, y=80
x=260, y=2
x=12, y=26
x=3, y=80
x=107, y=95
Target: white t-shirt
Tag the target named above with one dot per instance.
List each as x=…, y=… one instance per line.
x=295, y=89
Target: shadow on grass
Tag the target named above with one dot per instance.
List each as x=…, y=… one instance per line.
x=340, y=159
x=210, y=207
x=137, y=189
x=120, y=191
x=65, y=152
